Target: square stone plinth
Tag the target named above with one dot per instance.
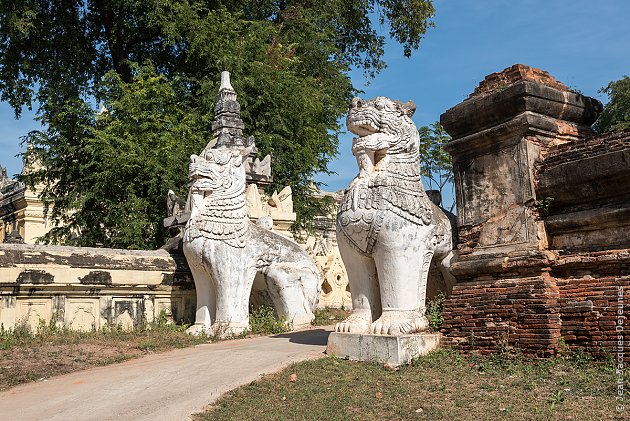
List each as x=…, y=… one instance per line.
x=395, y=350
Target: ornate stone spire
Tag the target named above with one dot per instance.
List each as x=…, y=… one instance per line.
x=13, y=237
x=4, y=178
x=227, y=127
x=227, y=131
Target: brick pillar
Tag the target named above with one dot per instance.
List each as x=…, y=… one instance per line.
x=505, y=296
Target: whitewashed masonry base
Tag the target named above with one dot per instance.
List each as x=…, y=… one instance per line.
x=395, y=350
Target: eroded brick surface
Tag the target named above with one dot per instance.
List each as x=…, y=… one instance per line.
x=589, y=312
x=544, y=220
x=488, y=316
x=513, y=74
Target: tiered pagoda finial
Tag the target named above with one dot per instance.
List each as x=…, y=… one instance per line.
x=4, y=178
x=227, y=131
x=227, y=127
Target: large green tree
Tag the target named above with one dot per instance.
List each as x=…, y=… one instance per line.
x=616, y=114
x=155, y=65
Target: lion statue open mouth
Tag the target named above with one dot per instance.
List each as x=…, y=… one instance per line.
x=387, y=228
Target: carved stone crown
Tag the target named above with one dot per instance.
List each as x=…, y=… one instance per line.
x=227, y=131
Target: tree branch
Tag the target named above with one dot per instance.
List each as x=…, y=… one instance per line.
x=114, y=40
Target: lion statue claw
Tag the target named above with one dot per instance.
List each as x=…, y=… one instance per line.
x=388, y=230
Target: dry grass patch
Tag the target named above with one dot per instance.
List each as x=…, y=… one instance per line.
x=51, y=351
x=27, y=356
x=441, y=386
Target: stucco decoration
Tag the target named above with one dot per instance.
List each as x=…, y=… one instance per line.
x=388, y=231
x=225, y=250
x=279, y=206
x=262, y=167
x=174, y=205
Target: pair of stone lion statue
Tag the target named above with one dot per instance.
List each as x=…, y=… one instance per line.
x=388, y=233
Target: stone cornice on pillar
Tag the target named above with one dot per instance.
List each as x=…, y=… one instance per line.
x=595, y=168
x=589, y=182
x=519, y=106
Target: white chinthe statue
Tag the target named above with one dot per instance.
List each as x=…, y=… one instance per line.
x=225, y=250
x=388, y=230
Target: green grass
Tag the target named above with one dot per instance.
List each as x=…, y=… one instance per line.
x=443, y=385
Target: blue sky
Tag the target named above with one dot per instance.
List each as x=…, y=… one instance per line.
x=582, y=43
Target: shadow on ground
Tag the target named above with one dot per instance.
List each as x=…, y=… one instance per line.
x=307, y=337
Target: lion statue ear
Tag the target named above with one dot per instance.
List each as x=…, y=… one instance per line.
x=409, y=108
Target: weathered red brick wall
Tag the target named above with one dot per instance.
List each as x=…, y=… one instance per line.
x=589, y=313
x=512, y=315
x=531, y=316
x=544, y=220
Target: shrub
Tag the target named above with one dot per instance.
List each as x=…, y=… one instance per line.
x=263, y=320
x=434, y=312
x=329, y=315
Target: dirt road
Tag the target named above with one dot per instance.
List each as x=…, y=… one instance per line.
x=167, y=386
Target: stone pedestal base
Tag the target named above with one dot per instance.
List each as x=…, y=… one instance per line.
x=395, y=350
